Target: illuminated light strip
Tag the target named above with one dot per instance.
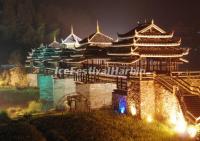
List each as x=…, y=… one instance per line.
x=123, y=62
x=100, y=34
x=149, y=44
x=154, y=36
x=197, y=118
x=192, y=116
x=72, y=44
x=184, y=60
x=71, y=35
x=55, y=56
x=118, y=54
x=159, y=56
x=95, y=59
x=58, y=51
x=101, y=43
x=156, y=44
x=80, y=49
x=76, y=55
x=49, y=69
x=150, y=26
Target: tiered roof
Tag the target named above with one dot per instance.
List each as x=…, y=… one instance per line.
x=42, y=54
x=93, y=46
x=72, y=41
x=54, y=44
x=97, y=39
x=147, y=40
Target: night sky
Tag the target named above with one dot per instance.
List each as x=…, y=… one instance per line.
x=182, y=16
x=122, y=15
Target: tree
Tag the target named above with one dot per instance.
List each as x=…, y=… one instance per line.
x=15, y=58
x=9, y=17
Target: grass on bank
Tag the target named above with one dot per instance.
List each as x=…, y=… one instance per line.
x=10, y=96
x=102, y=125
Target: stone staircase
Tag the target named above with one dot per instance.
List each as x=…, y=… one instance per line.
x=187, y=95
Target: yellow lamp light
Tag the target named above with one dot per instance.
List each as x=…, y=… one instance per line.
x=192, y=131
x=133, y=110
x=149, y=119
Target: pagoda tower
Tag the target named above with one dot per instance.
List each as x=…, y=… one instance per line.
x=43, y=57
x=148, y=47
x=94, y=48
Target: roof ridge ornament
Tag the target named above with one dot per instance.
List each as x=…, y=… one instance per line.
x=152, y=21
x=136, y=32
x=54, y=38
x=72, y=29
x=180, y=40
x=98, y=29
x=172, y=33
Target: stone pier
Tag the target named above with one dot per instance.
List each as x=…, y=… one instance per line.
x=62, y=88
x=32, y=80
x=98, y=95
x=146, y=98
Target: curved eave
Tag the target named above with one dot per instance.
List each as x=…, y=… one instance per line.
x=183, y=60
x=162, y=55
x=147, y=36
x=128, y=63
x=154, y=36
x=157, y=44
x=76, y=56
x=100, y=43
x=89, y=39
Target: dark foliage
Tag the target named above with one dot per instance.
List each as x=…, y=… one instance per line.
x=20, y=131
x=102, y=125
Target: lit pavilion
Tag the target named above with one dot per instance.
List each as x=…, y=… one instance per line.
x=148, y=47
x=93, y=49
x=71, y=41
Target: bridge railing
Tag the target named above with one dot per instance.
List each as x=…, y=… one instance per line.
x=192, y=89
x=186, y=74
x=146, y=75
x=168, y=85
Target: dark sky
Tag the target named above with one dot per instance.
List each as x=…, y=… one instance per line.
x=114, y=16
x=121, y=15
x=181, y=16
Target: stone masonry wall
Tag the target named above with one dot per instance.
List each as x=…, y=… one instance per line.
x=63, y=87
x=98, y=95
x=147, y=95
x=32, y=80
x=133, y=96
x=167, y=104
